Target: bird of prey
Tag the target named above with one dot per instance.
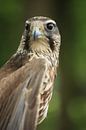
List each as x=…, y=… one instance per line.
x=27, y=78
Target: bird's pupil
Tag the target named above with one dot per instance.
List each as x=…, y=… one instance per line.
x=50, y=26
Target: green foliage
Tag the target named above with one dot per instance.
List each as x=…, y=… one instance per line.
x=77, y=112
x=11, y=14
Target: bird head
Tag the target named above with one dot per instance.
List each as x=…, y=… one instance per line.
x=41, y=34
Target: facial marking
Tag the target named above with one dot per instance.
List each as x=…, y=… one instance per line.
x=42, y=33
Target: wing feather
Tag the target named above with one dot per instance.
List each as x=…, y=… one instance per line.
x=19, y=96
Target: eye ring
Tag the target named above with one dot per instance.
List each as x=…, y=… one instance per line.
x=50, y=25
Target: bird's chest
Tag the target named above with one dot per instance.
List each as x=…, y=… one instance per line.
x=46, y=93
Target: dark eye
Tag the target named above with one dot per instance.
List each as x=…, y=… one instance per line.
x=27, y=26
x=50, y=26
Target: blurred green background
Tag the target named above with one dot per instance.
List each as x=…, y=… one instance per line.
x=67, y=109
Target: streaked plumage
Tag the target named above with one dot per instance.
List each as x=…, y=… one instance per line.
x=26, y=80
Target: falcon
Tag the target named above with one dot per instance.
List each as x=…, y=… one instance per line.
x=27, y=78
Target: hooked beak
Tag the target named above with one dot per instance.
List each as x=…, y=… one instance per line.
x=36, y=33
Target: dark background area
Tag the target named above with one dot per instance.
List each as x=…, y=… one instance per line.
x=67, y=109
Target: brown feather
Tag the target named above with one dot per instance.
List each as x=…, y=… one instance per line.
x=19, y=94
x=26, y=80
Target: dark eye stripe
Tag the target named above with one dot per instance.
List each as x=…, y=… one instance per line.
x=27, y=26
